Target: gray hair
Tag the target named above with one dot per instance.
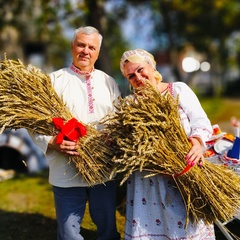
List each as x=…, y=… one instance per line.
x=88, y=30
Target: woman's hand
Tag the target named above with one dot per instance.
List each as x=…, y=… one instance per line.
x=195, y=154
x=66, y=147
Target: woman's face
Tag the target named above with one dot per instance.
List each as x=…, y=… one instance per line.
x=138, y=73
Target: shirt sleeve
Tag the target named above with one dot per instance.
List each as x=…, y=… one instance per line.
x=41, y=141
x=192, y=113
x=115, y=92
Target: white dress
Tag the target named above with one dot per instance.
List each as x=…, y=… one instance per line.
x=154, y=207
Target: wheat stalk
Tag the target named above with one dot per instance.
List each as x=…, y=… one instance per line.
x=28, y=100
x=148, y=136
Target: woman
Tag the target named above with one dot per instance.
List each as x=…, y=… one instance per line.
x=154, y=207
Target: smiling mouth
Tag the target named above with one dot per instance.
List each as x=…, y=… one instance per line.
x=84, y=58
x=140, y=84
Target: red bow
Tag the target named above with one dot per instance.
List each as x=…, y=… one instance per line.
x=72, y=130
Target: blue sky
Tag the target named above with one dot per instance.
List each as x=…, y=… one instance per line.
x=137, y=27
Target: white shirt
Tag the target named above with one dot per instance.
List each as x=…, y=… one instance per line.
x=89, y=100
x=193, y=118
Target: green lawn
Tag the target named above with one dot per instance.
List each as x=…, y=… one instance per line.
x=220, y=111
x=27, y=210
x=26, y=202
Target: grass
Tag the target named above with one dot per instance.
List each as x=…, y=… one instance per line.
x=221, y=110
x=27, y=210
x=26, y=201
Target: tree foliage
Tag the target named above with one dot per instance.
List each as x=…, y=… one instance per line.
x=40, y=25
x=195, y=21
x=205, y=26
x=30, y=27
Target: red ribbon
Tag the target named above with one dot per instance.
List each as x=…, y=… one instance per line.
x=186, y=169
x=175, y=175
x=72, y=130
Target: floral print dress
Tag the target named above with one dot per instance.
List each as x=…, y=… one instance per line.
x=155, y=210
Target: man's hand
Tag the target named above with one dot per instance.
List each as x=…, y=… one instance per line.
x=66, y=147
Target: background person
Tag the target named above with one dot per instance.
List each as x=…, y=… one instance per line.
x=89, y=94
x=154, y=206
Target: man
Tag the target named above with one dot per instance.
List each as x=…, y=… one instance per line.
x=89, y=94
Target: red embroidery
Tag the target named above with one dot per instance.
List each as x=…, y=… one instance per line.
x=90, y=95
x=88, y=85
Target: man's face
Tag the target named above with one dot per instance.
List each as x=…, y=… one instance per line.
x=85, y=50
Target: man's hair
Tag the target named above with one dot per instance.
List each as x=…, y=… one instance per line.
x=88, y=30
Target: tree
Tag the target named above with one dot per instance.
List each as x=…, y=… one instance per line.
x=204, y=25
x=32, y=27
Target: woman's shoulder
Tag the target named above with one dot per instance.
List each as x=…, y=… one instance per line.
x=180, y=87
x=179, y=84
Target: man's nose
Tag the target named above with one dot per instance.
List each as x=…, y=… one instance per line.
x=86, y=49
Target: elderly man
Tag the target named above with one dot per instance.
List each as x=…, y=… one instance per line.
x=89, y=94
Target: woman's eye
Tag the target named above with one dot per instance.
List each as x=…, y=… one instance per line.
x=130, y=77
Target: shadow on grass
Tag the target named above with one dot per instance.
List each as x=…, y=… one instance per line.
x=24, y=226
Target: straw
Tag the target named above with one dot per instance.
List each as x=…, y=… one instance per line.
x=147, y=135
x=28, y=100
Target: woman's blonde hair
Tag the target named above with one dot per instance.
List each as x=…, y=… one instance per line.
x=138, y=56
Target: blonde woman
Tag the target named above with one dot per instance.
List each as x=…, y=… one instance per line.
x=154, y=207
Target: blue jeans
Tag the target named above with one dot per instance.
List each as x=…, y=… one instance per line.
x=70, y=204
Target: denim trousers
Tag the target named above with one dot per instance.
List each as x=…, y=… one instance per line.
x=70, y=204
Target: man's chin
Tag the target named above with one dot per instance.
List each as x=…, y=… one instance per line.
x=83, y=63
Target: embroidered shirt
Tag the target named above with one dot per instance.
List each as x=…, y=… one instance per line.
x=87, y=105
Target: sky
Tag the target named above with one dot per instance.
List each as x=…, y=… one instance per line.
x=137, y=27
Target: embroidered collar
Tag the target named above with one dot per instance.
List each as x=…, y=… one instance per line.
x=170, y=88
x=78, y=71
x=89, y=88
